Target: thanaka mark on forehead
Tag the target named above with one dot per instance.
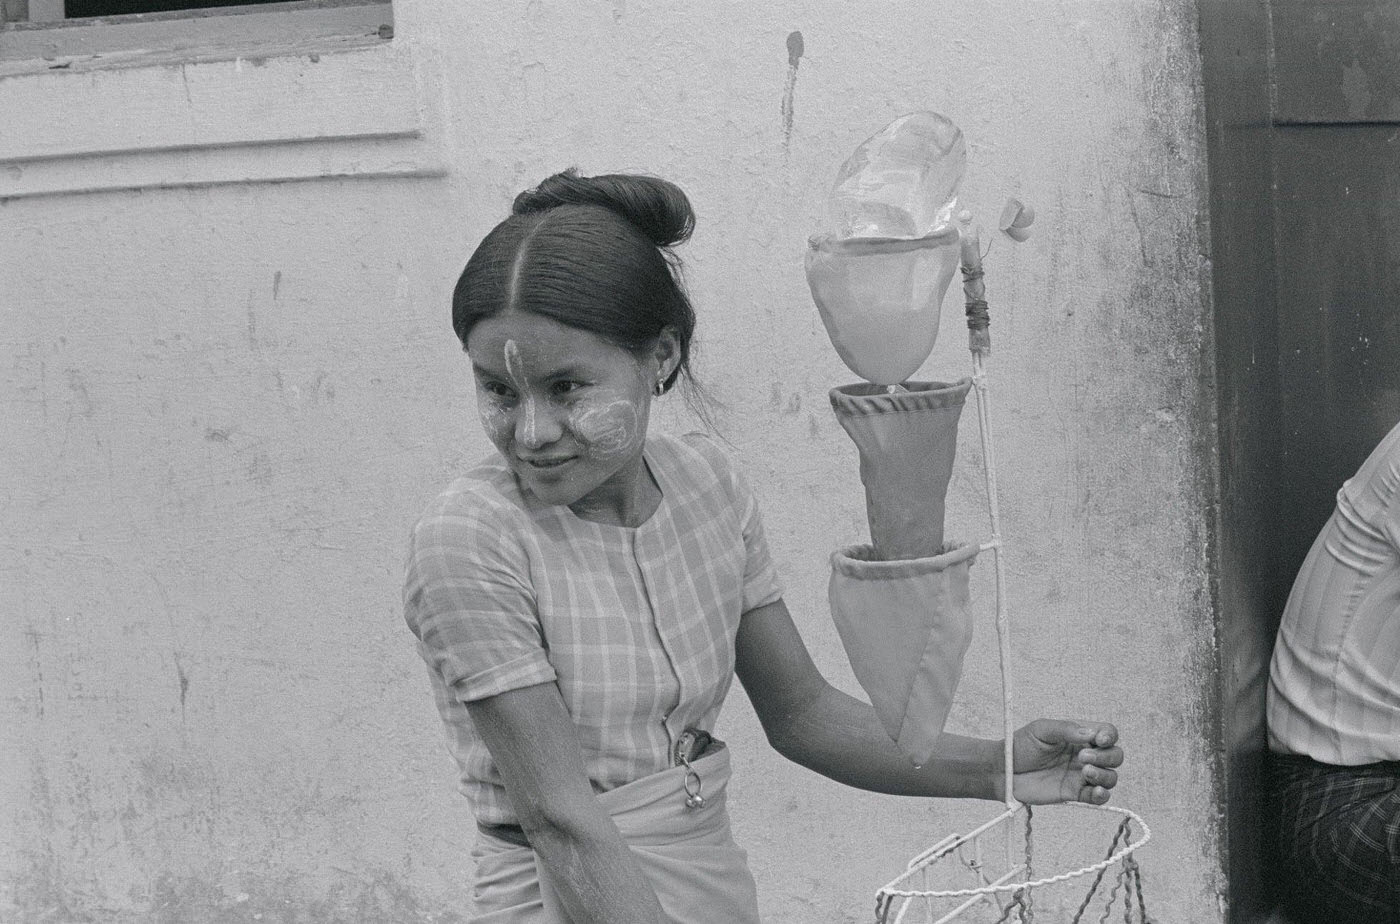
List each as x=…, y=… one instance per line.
x=515, y=366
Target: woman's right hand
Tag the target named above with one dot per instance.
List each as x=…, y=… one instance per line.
x=1054, y=760
x=535, y=746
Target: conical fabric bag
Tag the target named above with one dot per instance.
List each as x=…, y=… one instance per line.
x=901, y=603
x=907, y=441
x=906, y=627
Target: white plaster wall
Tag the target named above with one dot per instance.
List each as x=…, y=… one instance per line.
x=223, y=407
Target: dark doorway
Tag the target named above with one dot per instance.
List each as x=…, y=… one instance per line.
x=1303, y=124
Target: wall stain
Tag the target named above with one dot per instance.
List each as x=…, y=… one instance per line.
x=46, y=884
x=184, y=686
x=369, y=894
x=791, y=405
x=794, y=49
x=33, y=635
x=260, y=469
x=77, y=384
x=276, y=284
x=323, y=388
x=252, y=324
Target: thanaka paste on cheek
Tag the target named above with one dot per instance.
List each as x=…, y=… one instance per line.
x=515, y=368
x=611, y=422
x=495, y=419
x=610, y=426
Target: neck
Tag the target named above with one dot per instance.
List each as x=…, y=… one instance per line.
x=630, y=504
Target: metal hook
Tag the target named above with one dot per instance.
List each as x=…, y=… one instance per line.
x=693, y=797
x=690, y=744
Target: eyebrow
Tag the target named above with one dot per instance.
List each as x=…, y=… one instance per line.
x=570, y=370
x=480, y=370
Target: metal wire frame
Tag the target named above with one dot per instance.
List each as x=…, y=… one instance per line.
x=893, y=890
x=885, y=898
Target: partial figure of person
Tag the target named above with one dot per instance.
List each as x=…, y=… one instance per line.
x=585, y=597
x=1334, y=708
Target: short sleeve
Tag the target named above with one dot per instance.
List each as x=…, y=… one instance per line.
x=1374, y=491
x=467, y=598
x=761, y=584
x=1390, y=487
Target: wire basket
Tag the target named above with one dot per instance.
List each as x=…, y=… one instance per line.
x=965, y=877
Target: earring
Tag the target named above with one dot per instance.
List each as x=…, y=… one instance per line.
x=659, y=389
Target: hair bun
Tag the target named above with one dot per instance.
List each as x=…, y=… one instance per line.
x=657, y=208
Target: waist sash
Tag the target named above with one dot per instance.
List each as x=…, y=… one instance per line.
x=699, y=874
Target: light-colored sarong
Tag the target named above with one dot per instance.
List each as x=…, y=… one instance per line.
x=699, y=874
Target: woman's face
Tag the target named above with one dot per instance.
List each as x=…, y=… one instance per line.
x=566, y=408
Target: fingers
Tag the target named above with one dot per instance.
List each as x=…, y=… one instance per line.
x=1086, y=753
x=1081, y=734
x=1100, y=757
x=1100, y=777
x=1098, y=734
x=1094, y=795
x=1098, y=784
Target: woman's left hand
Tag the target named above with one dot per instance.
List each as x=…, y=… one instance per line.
x=1058, y=761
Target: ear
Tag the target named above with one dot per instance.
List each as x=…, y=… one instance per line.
x=667, y=352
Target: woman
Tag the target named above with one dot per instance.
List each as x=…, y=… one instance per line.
x=584, y=599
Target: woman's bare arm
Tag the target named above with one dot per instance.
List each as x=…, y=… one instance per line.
x=812, y=723
x=535, y=745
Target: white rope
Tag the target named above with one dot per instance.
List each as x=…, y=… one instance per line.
x=1003, y=622
x=904, y=909
x=892, y=891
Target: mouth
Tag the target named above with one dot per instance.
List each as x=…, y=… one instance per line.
x=547, y=464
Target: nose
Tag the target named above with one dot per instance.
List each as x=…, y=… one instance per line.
x=536, y=424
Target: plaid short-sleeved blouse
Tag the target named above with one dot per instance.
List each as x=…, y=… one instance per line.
x=636, y=625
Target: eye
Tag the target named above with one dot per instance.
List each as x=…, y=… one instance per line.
x=566, y=386
x=496, y=389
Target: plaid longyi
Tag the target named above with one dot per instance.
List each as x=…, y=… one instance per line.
x=1339, y=839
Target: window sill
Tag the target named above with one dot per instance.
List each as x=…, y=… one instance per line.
x=314, y=107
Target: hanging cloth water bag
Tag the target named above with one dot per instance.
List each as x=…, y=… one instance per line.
x=905, y=626
x=901, y=603
x=907, y=440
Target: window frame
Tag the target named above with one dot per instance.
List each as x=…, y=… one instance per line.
x=221, y=112
x=228, y=31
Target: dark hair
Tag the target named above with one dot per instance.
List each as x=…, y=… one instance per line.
x=590, y=252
